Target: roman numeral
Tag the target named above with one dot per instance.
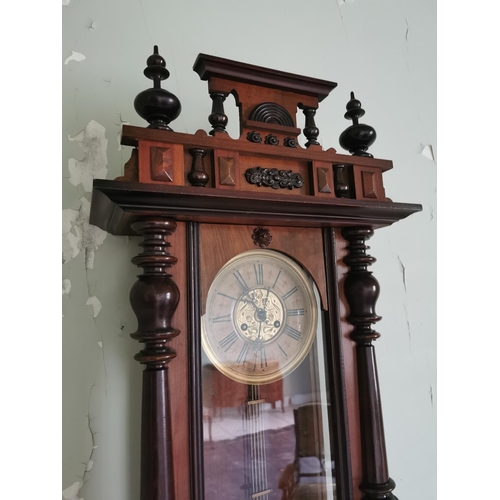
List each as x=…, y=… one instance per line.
x=283, y=351
x=263, y=357
x=240, y=280
x=243, y=354
x=259, y=273
x=276, y=280
x=228, y=341
x=295, y=312
x=291, y=332
x=228, y=296
x=290, y=293
x=221, y=319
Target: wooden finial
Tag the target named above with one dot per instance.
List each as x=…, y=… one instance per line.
x=157, y=106
x=358, y=137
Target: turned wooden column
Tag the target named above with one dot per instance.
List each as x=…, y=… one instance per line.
x=154, y=298
x=362, y=291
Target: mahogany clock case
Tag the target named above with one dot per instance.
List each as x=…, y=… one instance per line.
x=198, y=200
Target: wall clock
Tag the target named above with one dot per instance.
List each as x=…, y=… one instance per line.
x=256, y=303
x=261, y=317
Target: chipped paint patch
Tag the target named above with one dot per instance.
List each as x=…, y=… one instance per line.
x=75, y=56
x=403, y=271
x=71, y=493
x=66, y=287
x=426, y=151
x=65, y=2
x=90, y=464
x=78, y=234
x=100, y=345
x=96, y=305
x=93, y=143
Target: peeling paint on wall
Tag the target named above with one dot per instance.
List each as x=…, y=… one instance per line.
x=426, y=151
x=66, y=287
x=71, y=493
x=93, y=143
x=78, y=234
x=96, y=305
x=403, y=271
x=75, y=56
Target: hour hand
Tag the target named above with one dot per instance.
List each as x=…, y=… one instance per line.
x=251, y=300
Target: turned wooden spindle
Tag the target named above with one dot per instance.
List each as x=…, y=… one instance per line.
x=218, y=119
x=310, y=129
x=197, y=176
x=154, y=298
x=340, y=181
x=362, y=291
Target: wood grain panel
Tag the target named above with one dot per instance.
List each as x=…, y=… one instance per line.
x=350, y=371
x=219, y=243
x=178, y=371
x=368, y=183
x=161, y=163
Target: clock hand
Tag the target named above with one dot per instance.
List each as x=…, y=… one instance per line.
x=251, y=300
x=267, y=297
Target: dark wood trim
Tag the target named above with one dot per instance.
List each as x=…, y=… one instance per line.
x=210, y=66
x=362, y=291
x=154, y=298
x=195, y=375
x=335, y=367
x=116, y=204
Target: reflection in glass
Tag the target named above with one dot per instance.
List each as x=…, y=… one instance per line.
x=272, y=441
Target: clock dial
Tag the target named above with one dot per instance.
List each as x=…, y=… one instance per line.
x=261, y=317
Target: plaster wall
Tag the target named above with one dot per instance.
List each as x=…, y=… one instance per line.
x=385, y=51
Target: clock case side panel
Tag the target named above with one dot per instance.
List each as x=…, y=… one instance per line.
x=203, y=263
x=195, y=396
x=179, y=371
x=348, y=349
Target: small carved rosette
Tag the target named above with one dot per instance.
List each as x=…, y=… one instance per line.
x=272, y=177
x=262, y=237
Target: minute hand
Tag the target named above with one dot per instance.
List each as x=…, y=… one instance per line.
x=247, y=298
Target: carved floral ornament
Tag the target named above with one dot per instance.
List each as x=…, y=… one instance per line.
x=272, y=177
x=262, y=237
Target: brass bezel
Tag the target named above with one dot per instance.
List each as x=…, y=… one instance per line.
x=303, y=278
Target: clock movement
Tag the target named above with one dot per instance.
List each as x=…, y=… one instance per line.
x=256, y=303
